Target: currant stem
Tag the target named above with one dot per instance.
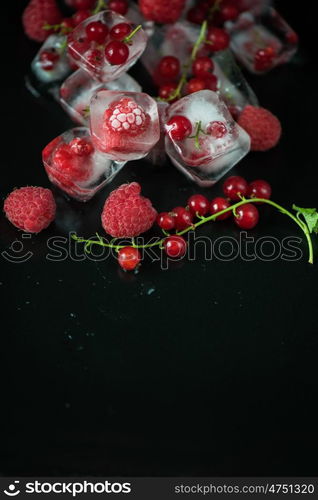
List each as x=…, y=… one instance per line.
x=129, y=37
x=101, y=5
x=203, y=220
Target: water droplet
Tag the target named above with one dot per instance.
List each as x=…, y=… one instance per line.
x=150, y=291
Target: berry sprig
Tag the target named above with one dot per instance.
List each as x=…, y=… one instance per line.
x=175, y=245
x=198, y=130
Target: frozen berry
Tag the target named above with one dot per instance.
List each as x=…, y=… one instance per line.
x=195, y=85
x=179, y=127
x=264, y=59
x=183, y=218
x=48, y=59
x=126, y=213
x=31, y=209
x=67, y=24
x=126, y=116
x=165, y=91
x=246, y=216
x=169, y=67
x=166, y=221
x=198, y=204
x=263, y=127
x=259, y=189
x=120, y=31
x=116, y=52
x=202, y=67
x=129, y=258
x=94, y=58
x=80, y=16
x=96, y=31
x=234, y=187
x=216, y=129
x=81, y=147
x=217, y=39
x=119, y=6
x=217, y=205
x=175, y=246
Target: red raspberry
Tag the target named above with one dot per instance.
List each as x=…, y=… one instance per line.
x=263, y=127
x=30, y=208
x=36, y=15
x=73, y=166
x=127, y=214
x=162, y=11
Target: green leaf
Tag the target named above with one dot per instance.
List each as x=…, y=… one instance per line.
x=311, y=217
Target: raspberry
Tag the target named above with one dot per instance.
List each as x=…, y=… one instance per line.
x=127, y=214
x=162, y=11
x=36, y=15
x=125, y=116
x=71, y=161
x=263, y=127
x=30, y=208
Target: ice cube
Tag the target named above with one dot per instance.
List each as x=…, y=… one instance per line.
x=124, y=125
x=51, y=62
x=157, y=155
x=216, y=142
x=78, y=89
x=134, y=15
x=263, y=40
x=75, y=166
x=90, y=55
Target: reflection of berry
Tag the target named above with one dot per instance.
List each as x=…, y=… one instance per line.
x=216, y=129
x=116, y=52
x=129, y=258
x=263, y=127
x=162, y=11
x=234, y=187
x=179, y=127
x=175, y=246
x=264, y=59
x=48, y=59
x=37, y=14
x=30, y=208
x=126, y=213
x=246, y=216
x=217, y=205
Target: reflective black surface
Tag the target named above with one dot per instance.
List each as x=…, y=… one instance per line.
x=207, y=368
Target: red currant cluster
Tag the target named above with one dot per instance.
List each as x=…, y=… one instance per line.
x=217, y=11
x=198, y=206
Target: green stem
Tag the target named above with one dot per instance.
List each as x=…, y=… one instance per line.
x=101, y=5
x=204, y=220
x=129, y=37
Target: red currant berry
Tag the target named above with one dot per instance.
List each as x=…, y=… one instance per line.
x=216, y=129
x=229, y=12
x=48, y=59
x=119, y=6
x=234, y=186
x=166, y=221
x=183, y=218
x=166, y=90
x=217, y=205
x=129, y=258
x=169, y=67
x=81, y=147
x=246, y=216
x=218, y=39
x=67, y=24
x=198, y=204
x=96, y=31
x=264, y=59
x=211, y=82
x=195, y=85
x=196, y=15
x=116, y=52
x=120, y=31
x=175, y=246
x=259, y=189
x=202, y=67
x=179, y=127
x=80, y=16
x=83, y=4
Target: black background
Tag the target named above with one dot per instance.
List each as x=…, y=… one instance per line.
x=208, y=368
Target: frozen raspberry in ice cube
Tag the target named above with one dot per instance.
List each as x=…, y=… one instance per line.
x=126, y=117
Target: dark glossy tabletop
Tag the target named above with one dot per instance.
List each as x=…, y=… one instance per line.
x=207, y=368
